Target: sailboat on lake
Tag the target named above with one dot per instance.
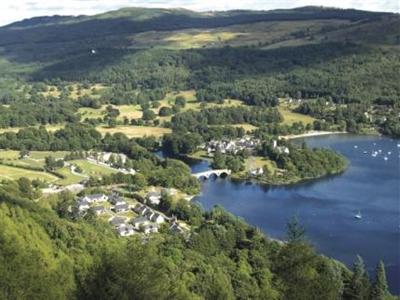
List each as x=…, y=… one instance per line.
x=358, y=216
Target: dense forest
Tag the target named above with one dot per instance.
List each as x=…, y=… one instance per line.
x=44, y=254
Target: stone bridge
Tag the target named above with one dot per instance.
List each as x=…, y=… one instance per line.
x=209, y=173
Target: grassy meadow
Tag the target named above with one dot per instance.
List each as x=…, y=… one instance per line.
x=290, y=117
x=12, y=173
x=135, y=131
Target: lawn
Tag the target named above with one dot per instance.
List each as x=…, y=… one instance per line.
x=187, y=40
x=254, y=162
x=69, y=177
x=91, y=169
x=91, y=113
x=290, y=117
x=192, y=103
x=201, y=154
x=35, y=159
x=41, y=155
x=135, y=131
x=12, y=173
x=246, y=127
x=128, y=111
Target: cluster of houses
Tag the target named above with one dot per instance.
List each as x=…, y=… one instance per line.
x=148, y=220
x=89, y=202
x=232, y=146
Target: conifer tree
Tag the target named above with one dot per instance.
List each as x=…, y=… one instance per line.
x=380, y=288
x=359, y=285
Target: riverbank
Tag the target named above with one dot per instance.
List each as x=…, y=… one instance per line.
x=282, y=181
x=310, y=134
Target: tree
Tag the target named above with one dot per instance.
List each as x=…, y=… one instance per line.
x=23, y=153
x=50, y=163
x=380, y=288
x=295, y=231
x=25, y=187
x=358, y=288
x=165, y=111
x=139, y=182
x=148, y=115
x=155, y=104
x=180, y=101
x=165, y=203
x=219, y=160
x=112, y=122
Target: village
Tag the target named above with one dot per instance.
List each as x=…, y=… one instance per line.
x=237, y=146
x=128, y=216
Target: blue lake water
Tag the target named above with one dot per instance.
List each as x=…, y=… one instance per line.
x=327, y=206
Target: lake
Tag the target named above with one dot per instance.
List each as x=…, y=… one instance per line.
x=327, y=206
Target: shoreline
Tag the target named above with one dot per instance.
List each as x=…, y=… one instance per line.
x=310, y=134
x=288, y=182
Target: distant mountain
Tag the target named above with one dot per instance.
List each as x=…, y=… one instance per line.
x=45, y=41
x=41, y=21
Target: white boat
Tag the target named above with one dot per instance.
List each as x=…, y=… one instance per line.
x=385, y=158
x=389, y=153
x=358, y=216
x=355, y=146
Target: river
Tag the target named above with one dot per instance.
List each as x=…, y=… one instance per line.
x=327, y=206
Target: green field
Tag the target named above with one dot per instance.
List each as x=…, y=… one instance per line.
x=290, y=117
x=135, y=131
x=128, y=111
x=255, y=162
x=69, y=177
x=91, y=113
x=35, y=159
x=12, y=173
x=91, y=169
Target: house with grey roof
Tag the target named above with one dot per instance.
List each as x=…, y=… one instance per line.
x=95, y=198
x=116, y=199
x=148, y=214
x=138, y=208
x=144, y=210
x=139, y=222
x=117, y=221
x=98, y=210
x=82, y=205
x=150, y=228
x=121, y=207
x=157, y=218
x=175, y=228
x=126, y=230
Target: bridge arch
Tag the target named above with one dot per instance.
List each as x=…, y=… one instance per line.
x=207, y=174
